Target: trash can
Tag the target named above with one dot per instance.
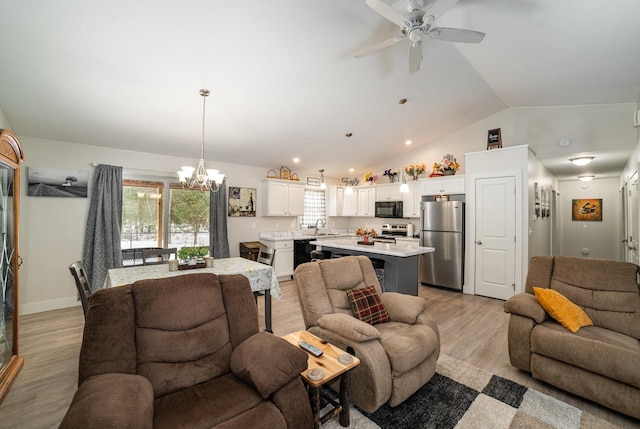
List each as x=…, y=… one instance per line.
x=250, y=250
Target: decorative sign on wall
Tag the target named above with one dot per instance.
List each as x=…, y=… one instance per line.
x=589, y=209
x=242, y=201
x=51, y=182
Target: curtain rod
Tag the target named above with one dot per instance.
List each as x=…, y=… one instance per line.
x=141, y=171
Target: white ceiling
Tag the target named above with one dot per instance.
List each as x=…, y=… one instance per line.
x=284, y=83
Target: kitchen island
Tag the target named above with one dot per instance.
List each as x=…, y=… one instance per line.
x=401, y=261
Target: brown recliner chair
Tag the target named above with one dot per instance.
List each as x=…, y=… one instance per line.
x=185, y=352
x=396, y=357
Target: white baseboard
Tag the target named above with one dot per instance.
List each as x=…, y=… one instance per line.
x=55, y=304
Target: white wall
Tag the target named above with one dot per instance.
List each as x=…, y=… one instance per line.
x=52, y=229
x=601, y=239
x=4, y=122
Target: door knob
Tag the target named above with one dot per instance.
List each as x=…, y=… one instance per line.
x=479, y=243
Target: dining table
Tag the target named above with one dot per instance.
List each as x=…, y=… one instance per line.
x=262, y=278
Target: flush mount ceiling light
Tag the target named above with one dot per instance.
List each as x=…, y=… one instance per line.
x=586, y=178
x=205, y=179
x=564, y=142
x=581, y=160
x=322, y=184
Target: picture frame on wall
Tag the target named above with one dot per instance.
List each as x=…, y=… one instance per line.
x=494, y=139
x=586, y=210
x=55, y=182
x=242, y=202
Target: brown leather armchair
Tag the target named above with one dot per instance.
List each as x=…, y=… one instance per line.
x=185, y=352
x=396, y=357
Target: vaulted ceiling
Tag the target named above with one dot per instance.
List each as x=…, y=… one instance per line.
x=284, y=82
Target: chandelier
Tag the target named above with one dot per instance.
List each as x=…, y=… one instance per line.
x=205, y=179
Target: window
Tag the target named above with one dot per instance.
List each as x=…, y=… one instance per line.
x=189, y=218
x=149, y=222
x=141, y=214
x=314, y=208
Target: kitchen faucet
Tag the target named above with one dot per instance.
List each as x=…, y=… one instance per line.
x=324, y=225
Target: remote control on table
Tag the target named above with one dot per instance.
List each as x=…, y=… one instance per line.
x=311, y=349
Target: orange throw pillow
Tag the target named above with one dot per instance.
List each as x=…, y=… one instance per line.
x=562, y=309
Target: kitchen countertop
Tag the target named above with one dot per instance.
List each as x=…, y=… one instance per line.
x=399, y=250
x=291, y=235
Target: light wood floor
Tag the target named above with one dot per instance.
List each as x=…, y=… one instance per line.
x=473, y=329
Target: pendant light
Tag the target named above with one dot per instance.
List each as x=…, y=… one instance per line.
x=322, y=184
x=205, y=179
x=403, y=185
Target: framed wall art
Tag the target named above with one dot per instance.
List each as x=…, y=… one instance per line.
x=588, y=209
x=53, y=182
x=494, y=139
x=242, y=202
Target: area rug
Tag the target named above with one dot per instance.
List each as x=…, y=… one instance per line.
x=462, y=396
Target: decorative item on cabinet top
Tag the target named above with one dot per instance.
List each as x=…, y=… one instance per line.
x=285, y=174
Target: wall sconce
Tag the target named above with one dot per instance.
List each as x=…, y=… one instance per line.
x=581, y=160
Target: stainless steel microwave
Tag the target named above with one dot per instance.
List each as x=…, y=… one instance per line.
x=388, y=209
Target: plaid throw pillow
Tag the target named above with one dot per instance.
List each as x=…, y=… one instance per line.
x=367, y=306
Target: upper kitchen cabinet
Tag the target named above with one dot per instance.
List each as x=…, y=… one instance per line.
x=366, y=202
x=283, y=198
x=388, y=192
x=443, y=185
x=335, y=201
x=411, y=201
x=350, y=203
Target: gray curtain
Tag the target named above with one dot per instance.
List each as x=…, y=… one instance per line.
x=102, y=237
x=218, y=238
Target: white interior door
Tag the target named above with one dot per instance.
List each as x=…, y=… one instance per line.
x=495, y=237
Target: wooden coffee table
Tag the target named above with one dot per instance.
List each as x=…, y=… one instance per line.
x=332, y=368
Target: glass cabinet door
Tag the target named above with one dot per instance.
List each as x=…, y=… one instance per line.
x=6, y=269
x=11, y=156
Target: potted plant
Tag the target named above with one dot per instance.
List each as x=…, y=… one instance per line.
x=449, y=165
x=370, y=178
x=415, y=170
x=392, y=174
x=191, y=255
x=366, y=233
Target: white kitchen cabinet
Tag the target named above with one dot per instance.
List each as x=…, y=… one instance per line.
x=366, y=202
x=283, y=198
x=443, y=185
x=350, y=204
x=283, y=260
x=335, y=201
x=411, y=201
x=390, y=192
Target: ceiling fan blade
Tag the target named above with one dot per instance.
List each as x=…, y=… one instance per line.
x=377, y=47
x=415, y=56
x=440, y=7
x=388, y=12
x=456, y=35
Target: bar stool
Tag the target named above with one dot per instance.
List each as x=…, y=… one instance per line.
x=378, y=267
x=316, y=255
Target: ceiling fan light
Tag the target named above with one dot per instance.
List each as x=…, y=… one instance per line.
x=581, y=160
x=586, y=178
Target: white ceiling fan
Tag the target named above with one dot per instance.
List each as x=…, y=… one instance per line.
x=419, y=21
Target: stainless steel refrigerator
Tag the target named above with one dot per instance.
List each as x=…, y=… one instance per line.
x=442, y=227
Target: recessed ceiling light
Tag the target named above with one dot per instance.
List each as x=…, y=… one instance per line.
x=586, y=178
x=564, y=142
x=408, y=142
x=351, y=170
x=296, y=160
x=581, y=160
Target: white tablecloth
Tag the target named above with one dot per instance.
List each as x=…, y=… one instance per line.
x=261, y=276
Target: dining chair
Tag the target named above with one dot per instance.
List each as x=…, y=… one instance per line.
x=158, y=256
x=82, y=283
x=266, y=255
